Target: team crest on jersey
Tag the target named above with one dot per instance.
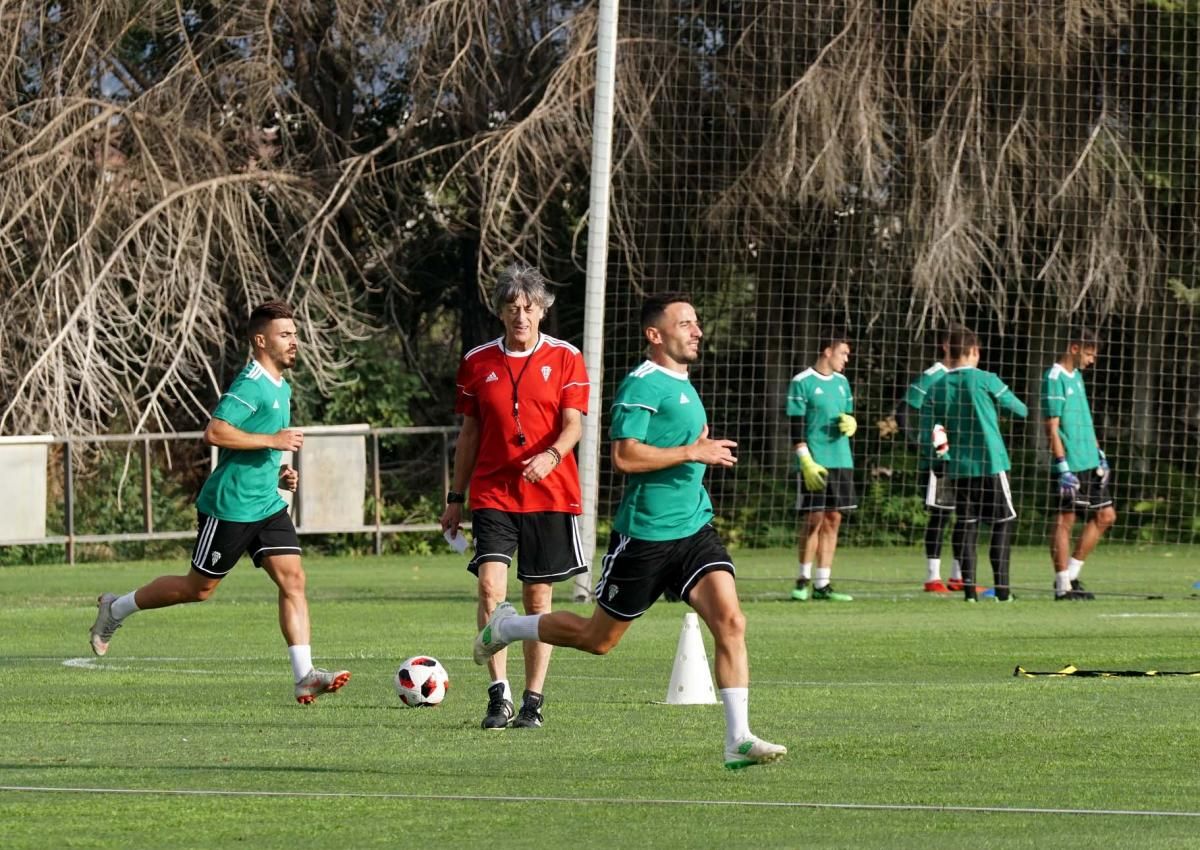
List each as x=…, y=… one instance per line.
x=212, y=561
x=545, y=373
x=491, y=378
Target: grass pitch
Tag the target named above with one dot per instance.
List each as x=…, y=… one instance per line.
x=904, y=722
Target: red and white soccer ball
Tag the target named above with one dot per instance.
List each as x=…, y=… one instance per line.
x=421, y=681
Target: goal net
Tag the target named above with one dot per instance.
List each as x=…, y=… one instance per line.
x=882, y=169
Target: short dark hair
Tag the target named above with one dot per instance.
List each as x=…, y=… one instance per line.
x=265, y=313
x=833, y=340
x=960, y=341
x=653, y=306
x=1084, y=338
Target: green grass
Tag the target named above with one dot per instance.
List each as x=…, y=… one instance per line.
x=896, y=699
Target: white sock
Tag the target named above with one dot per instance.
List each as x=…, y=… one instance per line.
x=822, y=579
x=737, y=715
x=1073, y=568
x=520, y=627
x=806, y=571
x=934, y=570
x=1062, y=581
x=507, y=689
x=301, y=657
x=123, y=606
x=956, y=571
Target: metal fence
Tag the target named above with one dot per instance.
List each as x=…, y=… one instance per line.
x=75, y=530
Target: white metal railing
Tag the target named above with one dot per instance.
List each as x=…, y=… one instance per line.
x=71, y=535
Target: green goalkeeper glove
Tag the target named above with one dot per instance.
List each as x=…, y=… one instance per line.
x=814, y=474
x=847, y=424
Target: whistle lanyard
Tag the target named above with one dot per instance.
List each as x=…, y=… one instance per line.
x=516, y=383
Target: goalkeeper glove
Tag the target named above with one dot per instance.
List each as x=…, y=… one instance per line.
x=941, y=443
x=847, y=424
x=1068, y=481
x=1103, y=470
x=814, y=474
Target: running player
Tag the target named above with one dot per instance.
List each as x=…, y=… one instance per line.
x=662, y=540
x=239, y=509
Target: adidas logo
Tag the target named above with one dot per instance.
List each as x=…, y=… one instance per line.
x=819, y=391
x=683, y=399
x=276, y=404
x=1070, y=391
x=491, y=378
x=545, y=373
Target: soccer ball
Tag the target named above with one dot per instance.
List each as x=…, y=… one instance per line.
x=421, y=681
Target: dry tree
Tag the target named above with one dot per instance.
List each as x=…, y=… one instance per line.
x=154, y=189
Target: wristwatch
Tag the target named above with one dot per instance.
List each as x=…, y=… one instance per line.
x=453, y=498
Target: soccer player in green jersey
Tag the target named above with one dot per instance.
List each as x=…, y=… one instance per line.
x=239, y=508
x=663, y=541
x=820, y=406
x=959, y=418
x=936, y=490
x=1081, y=471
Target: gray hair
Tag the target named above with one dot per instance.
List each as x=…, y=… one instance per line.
x=521, y=279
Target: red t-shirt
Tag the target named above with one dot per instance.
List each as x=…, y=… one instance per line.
x=548, y=378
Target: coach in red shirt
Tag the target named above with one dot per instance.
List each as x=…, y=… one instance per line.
x=522, y=398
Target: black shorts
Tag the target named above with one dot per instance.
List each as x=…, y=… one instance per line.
x=987, y=498
x=637, y=572
x=548, y=542
x=1092, y=495
x=838, y=494
x=937, y=491
x=221, y=542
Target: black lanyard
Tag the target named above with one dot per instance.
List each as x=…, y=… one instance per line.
x=516, y=383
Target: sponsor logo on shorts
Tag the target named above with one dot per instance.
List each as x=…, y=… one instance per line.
x=212, y=561
x=611, y=592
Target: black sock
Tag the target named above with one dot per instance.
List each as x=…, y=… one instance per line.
x=934, y=532
x=964, y=539
x=999, y=551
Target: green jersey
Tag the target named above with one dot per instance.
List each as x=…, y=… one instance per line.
x=245, y=485
x=821, y=399
x=918, y=391
x=660, y=408
x=964, y=402
x=1063, y=397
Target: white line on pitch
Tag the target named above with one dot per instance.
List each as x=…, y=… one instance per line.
x=603, y=801
x=1149, y=615
x=87, y=663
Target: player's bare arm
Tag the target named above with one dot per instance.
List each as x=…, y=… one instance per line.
x=632, y=456
x=466, y=452
x=1056, y=444
x=544, y=463
x=221, y=434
